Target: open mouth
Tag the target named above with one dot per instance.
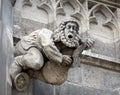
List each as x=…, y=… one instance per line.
x=70, y=36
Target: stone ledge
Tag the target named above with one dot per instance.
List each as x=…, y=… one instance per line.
x=100, y=56
x=100, y=61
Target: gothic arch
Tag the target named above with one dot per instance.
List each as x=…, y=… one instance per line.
x=103, y=23
x=72, y=8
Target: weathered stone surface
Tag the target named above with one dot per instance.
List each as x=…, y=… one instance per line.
x=107, y=49
x=68, y=89
x=116, y=91
x=41, y=88
x=71, y=89
x=75, y=75
x=93, y=91
x=111, y=79
x=23, y=26
x=29, y=26
x=5, y=46
x=101, y=74
x=28, y=91
x=96, y=60
x=92, y=76
x=100, y=78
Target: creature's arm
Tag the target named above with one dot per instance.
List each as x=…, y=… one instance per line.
x=48, y=46
x=53, y=53
x=84, y=46
x=77, y=52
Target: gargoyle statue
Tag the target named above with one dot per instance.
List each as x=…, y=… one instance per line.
x=47, y=55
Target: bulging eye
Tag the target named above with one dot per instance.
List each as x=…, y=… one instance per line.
x=69, y=27
x=74, y=28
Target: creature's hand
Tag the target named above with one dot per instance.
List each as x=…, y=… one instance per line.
x=67, y=60
x=89, y=43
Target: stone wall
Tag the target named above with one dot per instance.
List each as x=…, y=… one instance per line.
x=98, y=72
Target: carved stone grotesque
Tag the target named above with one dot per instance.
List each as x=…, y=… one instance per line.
x=47, y=55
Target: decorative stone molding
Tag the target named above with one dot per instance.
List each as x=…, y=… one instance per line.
x=48, y=54
x=97, y=19
x=99, y=62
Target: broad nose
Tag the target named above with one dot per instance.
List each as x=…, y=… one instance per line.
x=71, y=29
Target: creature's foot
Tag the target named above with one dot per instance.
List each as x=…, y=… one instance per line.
x=21, y=81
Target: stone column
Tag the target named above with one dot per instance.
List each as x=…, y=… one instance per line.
x=6, y=44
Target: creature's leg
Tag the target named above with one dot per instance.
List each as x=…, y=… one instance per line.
x=33, y=59
x=15, y=67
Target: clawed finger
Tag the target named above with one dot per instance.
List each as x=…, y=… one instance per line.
x=67, y=63
x=90, y=43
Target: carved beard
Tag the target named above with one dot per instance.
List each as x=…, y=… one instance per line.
x=70, y=42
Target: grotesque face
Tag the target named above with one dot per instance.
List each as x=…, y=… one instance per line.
x=67, y=33
x=70, y=31
x=70, y=36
